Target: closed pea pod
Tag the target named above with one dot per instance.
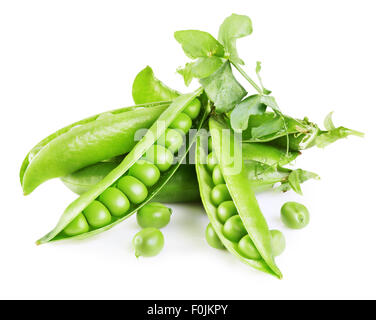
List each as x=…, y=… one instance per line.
x=153, y=215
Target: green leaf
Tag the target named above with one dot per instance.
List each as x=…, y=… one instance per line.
x=271, y=102
x=328, y=122
x=199, y=44
x=233, y=28
x=241, y=113
x=273, y=125
x=147, y=88
x=326, y=138
x=204, y=67
x=186, y=72
x=258, y=70
x=295, y=179
x=223, y=89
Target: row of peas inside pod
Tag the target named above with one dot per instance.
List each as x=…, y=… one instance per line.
x=132, y=188
x=233, y=228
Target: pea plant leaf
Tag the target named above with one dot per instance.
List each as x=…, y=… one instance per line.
x=234, y=27
x=223, y=89
x=242, y=111
x=328, y=137
x=186, y=73
x=199, y=44
x=328, y=122
x=295, y=179
x=258, y=70
x=147, y=88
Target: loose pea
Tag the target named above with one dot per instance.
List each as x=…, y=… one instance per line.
x=133, y=188
x=217, y=175
x=210, y=144
x=160, y=156
x=171, y=139
x=148, y=242
x=77, y=226
x=211, y=161
x=278, y=242
x=294, y=215
x=182, y=122
x=234, y=229
x=115, y=201
x=212, y=238
x=219, y=194
x=226, y=210
x=146, y=172
x=97, y=214
x=247, y=248
x=193, y=109
x=153, y=215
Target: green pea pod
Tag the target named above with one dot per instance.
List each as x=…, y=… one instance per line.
x=155, y=131
x=242, y=195
x=182, y=187
x=86, y=142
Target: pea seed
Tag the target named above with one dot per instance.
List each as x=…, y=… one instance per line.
x=133, y=188
x=211, y=161
x=182, y=122
x=294, y=215
x=220, y=194
x=171, y=139
x=217, y=175
x=234, y=229
x=148, y=242
x=247, y=248
x=78, y=226
x=193, y=109
x=212, y=238
x=115, y=201
x=146, y=172
x=97, y=214
x=278, y=242
x=160, y=156
x=226, y=210
x=153, y=215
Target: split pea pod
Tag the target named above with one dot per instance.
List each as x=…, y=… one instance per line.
x=246, y=218
x=94, y=206
x=86, y=142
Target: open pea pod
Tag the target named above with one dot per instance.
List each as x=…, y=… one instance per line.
x=225, y=146
x=86, y=142
x=154, y=133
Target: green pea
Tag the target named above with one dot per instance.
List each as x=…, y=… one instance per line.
x=247, y=248
x=234, y=229
x=171, y=139
x=212, y=238
x=182, y=122
x=146, y=172
x=153, y=215
x=115, y=201
x=133, y=188
x=211, y=161
x=217, y=175
x=226, y=210
x=193, y=109
x=78, y=226
x=210, y=144
x=97, y=214
x=148, y=242
x=294, y=215
x=278, y=242
x=160, y=156
x=219, y=194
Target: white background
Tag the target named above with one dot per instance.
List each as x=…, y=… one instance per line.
x=61, y=61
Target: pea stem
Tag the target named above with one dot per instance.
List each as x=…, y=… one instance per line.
x=245, y=75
